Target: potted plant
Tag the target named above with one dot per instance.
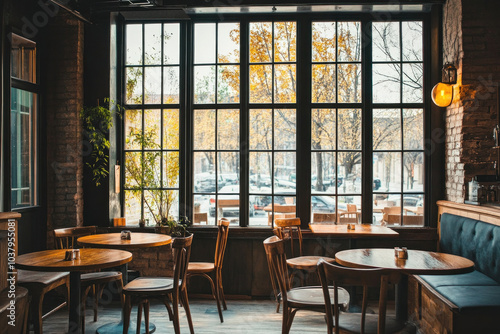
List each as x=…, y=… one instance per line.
x=174, y=228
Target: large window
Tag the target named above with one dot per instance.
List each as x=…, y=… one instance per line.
x=152, y=97
x=267, y=99
x=23, y=123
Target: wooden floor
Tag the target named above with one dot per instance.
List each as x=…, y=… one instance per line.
x=242, y=316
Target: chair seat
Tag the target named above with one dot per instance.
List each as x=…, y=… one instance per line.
x=351, y=322
x=308, y=263
x=153, y=285
x=100, y=277
x=39, y=278
x=200, y=267
x=313, y=296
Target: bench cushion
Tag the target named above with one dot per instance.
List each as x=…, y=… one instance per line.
x=476, y=240
x=472, y=297
x=472, y=278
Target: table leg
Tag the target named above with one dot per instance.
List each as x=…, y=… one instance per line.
x=402, y=298
x=124, y=270
x=75, y=307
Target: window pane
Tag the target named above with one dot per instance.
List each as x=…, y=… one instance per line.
x=284, y=129
x=386, y=129
x=261, y=125
x=323, y=178
x=171, y=84
x=133, y=169
x=349, y=41
x=171, y=169
x=204, y=172
x=349, y=129
x=152, y=169
x=323, y=41
x=133, y=44
x=412, y=41
x=284, y=168
x=228, y=129
x=151, y=139
x=260, y=171
x=260, y=83
x=171, y=129
x=133, y=88
x=387, y=169
x=228, y=84
x=385, y=41
x=159, y=204
x=204, y=130
x=349, y=210
x=152, y=85
x=23, y=144
x=323, y=209
x=413, y=180
x=171, y=43
x=260, y=42
x=152, y=44
x=133, y=129
x=284, y=83
x=228, y=43
x=229, y=171
x=413, y=210
x=413, y=129
x=386, y=83
x=413, y=83
x=349, y=169
x=23, y=59
x=258, y=216
x=323, y=83
x=323, y=127
x=133, y=206
x=204, y=84
x=349, y=83
x=285, y=41
x=202, y=205
x=204, y=43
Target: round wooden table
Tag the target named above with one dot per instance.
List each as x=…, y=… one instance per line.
x=90, y=259
x=418, y=262
x=114, y=240
x=137, y=240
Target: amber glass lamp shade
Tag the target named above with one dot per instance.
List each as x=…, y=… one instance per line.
x=442, y=94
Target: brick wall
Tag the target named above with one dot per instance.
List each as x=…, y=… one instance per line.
x=154, y=261
x=64, y=99
x=471, y=41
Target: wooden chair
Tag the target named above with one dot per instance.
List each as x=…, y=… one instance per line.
x=351, y=216
x=169, y=289
x=281, y=211
x=21, y=298
x=369, y=323
x=204, y=269
x=66, y=238
x=390, y=210
x=294, y=299
x=330, y=218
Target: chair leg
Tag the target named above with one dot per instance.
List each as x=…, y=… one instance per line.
x=215, y=293
x=36, y=312
x=99, y=290
x=221, y=291
x=185, y=302
x=175, y=307
x=127, y=308
x=146, y=316
x=139, y=317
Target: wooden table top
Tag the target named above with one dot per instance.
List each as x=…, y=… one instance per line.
x=90, y=259
x=418, y=262
x=360, y=231
x=114, y=240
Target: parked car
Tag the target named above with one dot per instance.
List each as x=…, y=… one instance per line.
x=230, y=193
x=205, y=182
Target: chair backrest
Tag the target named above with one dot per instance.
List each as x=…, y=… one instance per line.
x=354, y=277
x=290, y=227
x=390, y=210
x=416, y=220
x=220, y=246
x=182, y=251
x=352, y=208
x=319, y=217
x=278, y=269
x=65, y=238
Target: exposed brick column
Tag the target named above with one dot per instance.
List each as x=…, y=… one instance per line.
x=64, y=99
x=473, y=45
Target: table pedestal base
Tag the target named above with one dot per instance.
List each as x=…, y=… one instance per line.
x=117, y=328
